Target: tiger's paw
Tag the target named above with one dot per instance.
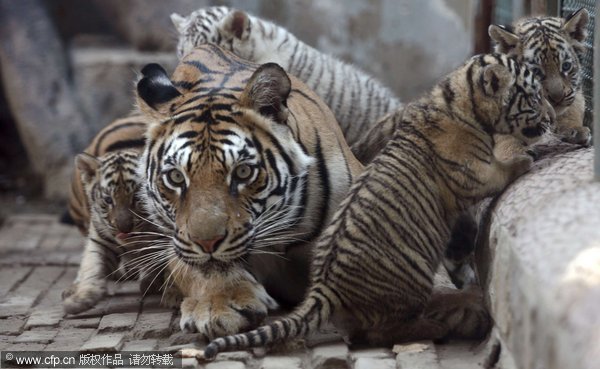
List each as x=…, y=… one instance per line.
x=226, y=312
x=577, y=136
x=80, y=297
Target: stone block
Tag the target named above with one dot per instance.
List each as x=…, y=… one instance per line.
x=11, y=277
x=416, y=356
x=104, y=342
x=141, y=345
x=231, y=365
x=372, y=353
x=331, y=356
x=540, y=263
x=281, y=362
x=372, y=363
x=117, y=322
x=35, y=337
x=45, y=317
x=153, y=325
x=11, y=326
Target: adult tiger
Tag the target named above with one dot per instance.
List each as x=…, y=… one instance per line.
x=356, y=98
x=245, y=166
x=103, y=204
x=372, y=273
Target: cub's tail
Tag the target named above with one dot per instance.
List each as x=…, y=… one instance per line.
x=315, y=310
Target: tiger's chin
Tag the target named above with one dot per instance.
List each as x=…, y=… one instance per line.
x=211, y=265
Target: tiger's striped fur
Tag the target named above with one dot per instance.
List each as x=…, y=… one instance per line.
x=356, y=99
x=244, y=166
x=373, y=268
x=102, y=204
x=550, y=46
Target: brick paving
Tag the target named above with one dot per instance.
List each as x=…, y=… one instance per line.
x=39, y=258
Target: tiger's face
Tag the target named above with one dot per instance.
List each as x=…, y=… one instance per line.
x=110, y=183
x=549, y=47
x=222, y=174
x=220, y=25
x=509, y=96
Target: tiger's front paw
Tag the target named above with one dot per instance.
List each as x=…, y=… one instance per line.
x=226, y=312
x=578, y=136
x=80, y=297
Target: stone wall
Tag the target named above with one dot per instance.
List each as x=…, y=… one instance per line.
x=540, y=259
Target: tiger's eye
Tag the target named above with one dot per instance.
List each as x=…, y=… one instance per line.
x=243, y=171
x=108, y=200
x=566, y=66
x=176, y=177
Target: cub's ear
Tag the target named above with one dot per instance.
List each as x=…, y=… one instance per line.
x=496, y=79
x=180, y=22
x=576, y=23
x=236, y=24
x=88, y=165
x=504, y=38
x=156, y=94
x=267, y=92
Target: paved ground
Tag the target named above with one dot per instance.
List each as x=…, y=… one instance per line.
x=39, y=258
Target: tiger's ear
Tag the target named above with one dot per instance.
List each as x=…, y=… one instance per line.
x=88, y=165
x=576, y=23
x=267, y=92
x=180, y=22
x=496, y=79
x=505, y=39
x=236, y=24
x=156, y=94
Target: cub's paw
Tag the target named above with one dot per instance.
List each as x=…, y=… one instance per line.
x=80, y=297
x=520, y=165
x=230, y=311
x=578, y=136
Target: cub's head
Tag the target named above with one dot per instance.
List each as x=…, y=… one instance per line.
x=221, y=167
x=220, y=25
x=508, y=96
x=549, y=46
x=110, y=183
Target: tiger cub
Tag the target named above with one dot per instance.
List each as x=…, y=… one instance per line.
x=550, y=47
x=103, y=205
x=373, y=267
x=356, y=99
x=243, y=167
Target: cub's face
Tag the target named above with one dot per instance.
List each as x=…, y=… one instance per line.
x=225, y=176
x=111, y=185
x=511, y=97
x=527, y=113
x=549, y=47
x=220, y=25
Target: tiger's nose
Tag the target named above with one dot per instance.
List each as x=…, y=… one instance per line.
x=556, y=98
x=209, y=245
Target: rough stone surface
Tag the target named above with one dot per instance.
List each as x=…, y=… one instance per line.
x=371, y=363
x=332, y=356
x=544, y=264
x=416, y=356
x=104, y=342
x=281, y=363
x=226, y=365
x=117, y=322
